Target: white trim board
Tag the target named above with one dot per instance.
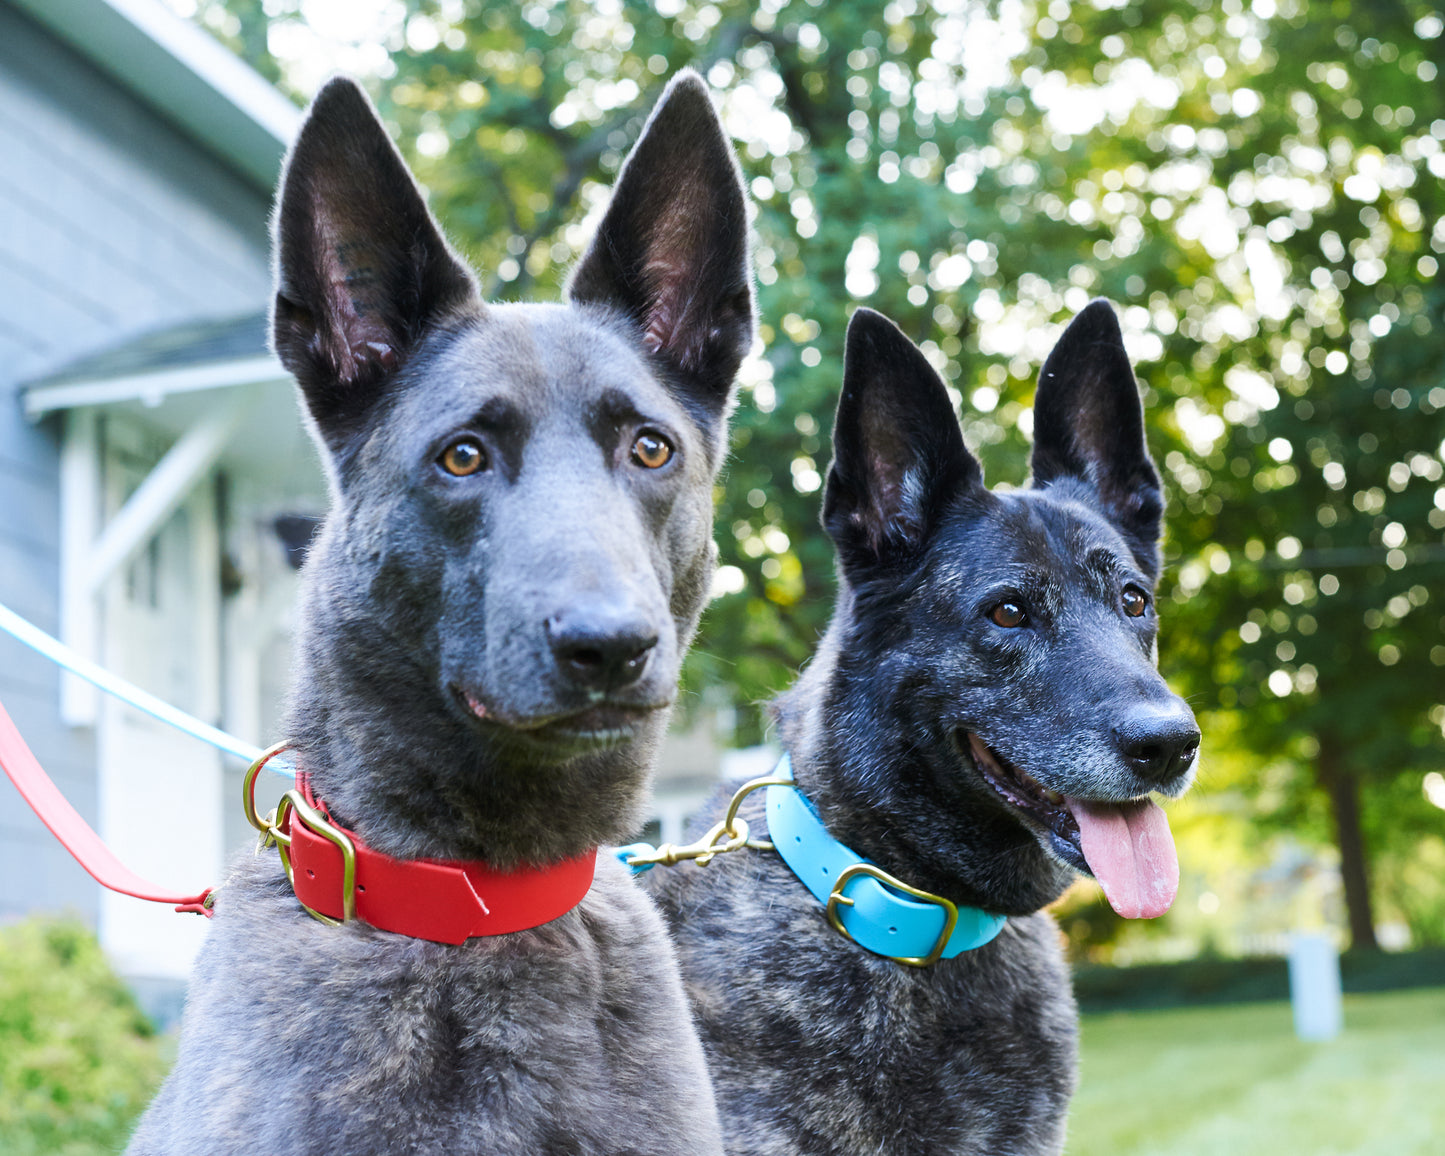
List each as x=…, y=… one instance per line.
x=151, y=388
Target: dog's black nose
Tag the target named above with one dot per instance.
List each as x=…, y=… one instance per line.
x=1158, y=744
x=601, y=645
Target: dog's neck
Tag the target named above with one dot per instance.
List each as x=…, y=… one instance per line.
x=414, y=779
x=889, y=785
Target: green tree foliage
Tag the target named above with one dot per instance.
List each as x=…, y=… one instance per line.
x=243, y=26
x=78, y=1060
x=1257, y=186
x=1309, y=598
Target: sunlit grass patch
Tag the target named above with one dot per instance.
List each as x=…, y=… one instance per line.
x=1234, y=1081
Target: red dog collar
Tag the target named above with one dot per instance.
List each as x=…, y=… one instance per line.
x=337, y=877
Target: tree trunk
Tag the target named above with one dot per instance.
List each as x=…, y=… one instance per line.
x=1344, y=792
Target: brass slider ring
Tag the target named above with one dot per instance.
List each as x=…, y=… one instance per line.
x=323, y=827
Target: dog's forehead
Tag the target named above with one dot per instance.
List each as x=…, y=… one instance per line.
x=1072, y=526
x=545, y=361
x=1036, y=532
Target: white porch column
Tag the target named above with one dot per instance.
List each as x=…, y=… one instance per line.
x=79, y=522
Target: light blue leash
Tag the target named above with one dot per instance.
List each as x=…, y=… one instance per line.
x=55, y=650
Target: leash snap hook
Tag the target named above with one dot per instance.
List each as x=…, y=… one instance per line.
x=731, y=834
x=718, y=840
x=722, y=838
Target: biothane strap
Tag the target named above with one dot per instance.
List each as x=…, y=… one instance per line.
x=444, y=901
x=74, y=833
x=876, y=915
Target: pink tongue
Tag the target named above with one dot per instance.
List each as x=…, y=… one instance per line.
x=1131, y=853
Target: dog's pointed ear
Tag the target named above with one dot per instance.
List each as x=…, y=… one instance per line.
x=1089, y=425
x=898, y=454
x=671, y=251
x=361, y=265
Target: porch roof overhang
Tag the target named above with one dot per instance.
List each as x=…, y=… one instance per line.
x=197, y=356
x=222, y=401
x=177, y=380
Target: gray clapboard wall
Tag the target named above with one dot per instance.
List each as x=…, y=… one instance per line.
x=112, y=223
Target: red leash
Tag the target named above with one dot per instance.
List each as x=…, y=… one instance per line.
x=74, y=833
x=335, y=875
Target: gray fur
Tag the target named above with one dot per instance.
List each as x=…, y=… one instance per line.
x=816, y=1045
x=486, y=661
x=302, y=1038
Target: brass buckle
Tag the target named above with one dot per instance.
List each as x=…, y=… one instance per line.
x=273, y=835
x=950, y=911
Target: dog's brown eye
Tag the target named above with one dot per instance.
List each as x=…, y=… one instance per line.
x=463, y=458
x=1009, y=614
x=651, y=451
x=1135, y=601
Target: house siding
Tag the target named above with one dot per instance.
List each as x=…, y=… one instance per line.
x=111, y=223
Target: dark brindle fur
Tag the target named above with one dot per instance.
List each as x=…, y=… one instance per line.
x=485, y=663
x=817, y=1046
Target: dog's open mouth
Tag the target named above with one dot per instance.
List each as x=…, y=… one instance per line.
x=1126, y=846
x=594, y=728
x=1045, y=806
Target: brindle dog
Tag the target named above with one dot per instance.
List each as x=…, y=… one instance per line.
x=493, y=618
x=983, y=719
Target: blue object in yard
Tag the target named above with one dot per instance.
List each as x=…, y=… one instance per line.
x=1314, y=986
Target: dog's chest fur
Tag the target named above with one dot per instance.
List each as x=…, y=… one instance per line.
x=816, y=1045
x=568, y=1038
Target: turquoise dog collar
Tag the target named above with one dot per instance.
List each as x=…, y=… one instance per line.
x=864, y=902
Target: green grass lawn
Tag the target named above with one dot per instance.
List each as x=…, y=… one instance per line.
x=1234, y=1081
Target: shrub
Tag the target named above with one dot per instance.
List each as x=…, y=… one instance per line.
x=78, y=1058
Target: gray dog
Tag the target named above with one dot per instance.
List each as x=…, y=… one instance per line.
x=494, y=614
x=983, y=719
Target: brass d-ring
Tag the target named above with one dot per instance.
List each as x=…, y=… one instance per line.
x=248, y=789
